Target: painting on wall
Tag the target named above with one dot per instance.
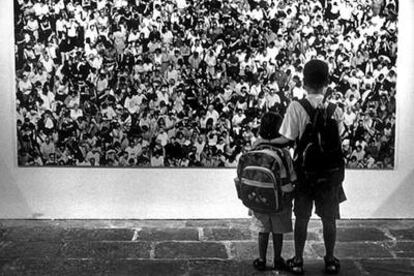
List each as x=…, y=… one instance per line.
x=184, y=83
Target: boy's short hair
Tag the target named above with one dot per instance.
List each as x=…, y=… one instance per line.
x=269, y=125
x=316, y=74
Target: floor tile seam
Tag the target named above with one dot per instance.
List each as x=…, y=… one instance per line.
x=401, y=241
x=4, y=244
x=99, y=259
x=228, y=246
x=104, y=241
x=136, y=238
x=387, y=233
x=227, y=240
x=363, y=241
x=359, y=259
x=232, y=257
x=64, y=241
x=314, y=251
x=166, y=240
x=230, y=225
x=202, y=240
x=190, y=259
x=228, y=219
x=389, y=246
x=380, y=242
x=136, y=234
x=110, y=227
x=170, y=225
x=152, y=250
x=185, y=241
x=343, y=243
x=229, y=257
x=377, y=258
x=242, y=241
x=255, y=240
x=393, y=254
x=201, y=236
x=408, y=259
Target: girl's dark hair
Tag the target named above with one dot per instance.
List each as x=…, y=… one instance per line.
x=269, y=125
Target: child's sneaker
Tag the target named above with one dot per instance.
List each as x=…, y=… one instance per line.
x=332, y=266
x=259, y=264
x=280, y=264
x=295, y=266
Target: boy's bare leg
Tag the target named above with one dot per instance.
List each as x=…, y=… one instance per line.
x=329, y=236
x=301, y=229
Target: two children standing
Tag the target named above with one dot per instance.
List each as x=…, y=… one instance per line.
x=322, y=190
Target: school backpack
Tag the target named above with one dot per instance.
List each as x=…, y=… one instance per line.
x=318, y=156
x=265, y=178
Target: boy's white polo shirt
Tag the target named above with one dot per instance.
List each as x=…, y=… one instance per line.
x=296, y=118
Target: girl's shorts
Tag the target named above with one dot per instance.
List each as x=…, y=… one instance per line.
x=275, y=223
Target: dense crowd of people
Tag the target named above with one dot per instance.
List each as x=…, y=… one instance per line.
x=182, y=83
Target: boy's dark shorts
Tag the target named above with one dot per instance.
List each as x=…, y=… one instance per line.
x=326, y=197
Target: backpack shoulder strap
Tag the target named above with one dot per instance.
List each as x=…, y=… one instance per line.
x=308, y=108
x=283, y=157
x=311, y=111
x=264, y=145
x=330, y=110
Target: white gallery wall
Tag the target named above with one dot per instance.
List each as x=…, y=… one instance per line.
x=186, y=193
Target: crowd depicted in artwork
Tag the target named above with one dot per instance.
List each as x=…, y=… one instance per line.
x=181, y=83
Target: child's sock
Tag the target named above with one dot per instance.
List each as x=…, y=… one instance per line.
x=277, y=245
x=263, y=241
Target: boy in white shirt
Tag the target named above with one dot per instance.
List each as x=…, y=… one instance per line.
x=326, y=197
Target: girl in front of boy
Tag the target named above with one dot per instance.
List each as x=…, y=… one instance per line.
x=275, y=223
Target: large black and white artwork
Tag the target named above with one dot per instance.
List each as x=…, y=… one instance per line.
x=181, y=83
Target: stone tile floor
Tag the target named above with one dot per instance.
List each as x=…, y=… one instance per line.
x=191, y=247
